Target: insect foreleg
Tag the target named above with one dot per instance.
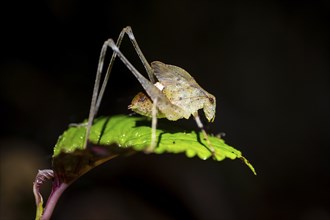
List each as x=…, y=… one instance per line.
x=153, y=127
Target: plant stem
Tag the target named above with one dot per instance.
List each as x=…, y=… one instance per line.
x=57, y=190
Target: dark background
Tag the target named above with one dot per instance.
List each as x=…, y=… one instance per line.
x=267, y=62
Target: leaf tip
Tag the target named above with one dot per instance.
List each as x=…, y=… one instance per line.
x=249, y=165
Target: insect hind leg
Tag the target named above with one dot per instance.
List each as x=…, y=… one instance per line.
x=98, y=93
x=127, y=30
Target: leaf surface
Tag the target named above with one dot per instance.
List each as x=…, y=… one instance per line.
x=116, y=135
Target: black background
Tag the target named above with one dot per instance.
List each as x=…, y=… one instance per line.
x=267, y=62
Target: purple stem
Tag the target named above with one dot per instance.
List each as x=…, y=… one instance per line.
x=57, y=190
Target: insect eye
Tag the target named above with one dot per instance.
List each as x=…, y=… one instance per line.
x=142, y=98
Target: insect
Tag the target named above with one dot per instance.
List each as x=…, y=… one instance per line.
x=174, y=96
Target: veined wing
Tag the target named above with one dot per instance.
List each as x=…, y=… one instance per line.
x=179, y=86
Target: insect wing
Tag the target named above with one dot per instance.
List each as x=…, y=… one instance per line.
x=179, y=87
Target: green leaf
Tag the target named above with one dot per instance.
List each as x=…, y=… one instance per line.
x=115, y=135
